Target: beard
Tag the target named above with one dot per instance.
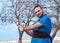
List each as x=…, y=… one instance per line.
x=39, y=15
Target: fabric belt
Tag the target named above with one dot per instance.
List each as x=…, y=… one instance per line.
x=39, y=34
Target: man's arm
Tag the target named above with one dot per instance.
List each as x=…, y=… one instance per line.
x=31, y=27
x=28, y=29
x=30, y=33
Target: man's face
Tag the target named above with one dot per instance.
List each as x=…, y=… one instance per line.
x=38, y=11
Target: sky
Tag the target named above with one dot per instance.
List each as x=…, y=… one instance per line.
x=10, y=32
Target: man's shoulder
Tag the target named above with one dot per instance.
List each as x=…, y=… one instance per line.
x=44, y=17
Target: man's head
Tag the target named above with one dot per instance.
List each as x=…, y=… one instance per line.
x=38, y=10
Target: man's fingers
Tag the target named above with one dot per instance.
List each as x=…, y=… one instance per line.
x=21, y=27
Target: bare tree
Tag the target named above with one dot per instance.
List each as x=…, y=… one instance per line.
x=57, y=17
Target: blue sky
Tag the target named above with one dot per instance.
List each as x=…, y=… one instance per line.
x=10, y=32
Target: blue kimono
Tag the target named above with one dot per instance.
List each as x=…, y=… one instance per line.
x=46, y=22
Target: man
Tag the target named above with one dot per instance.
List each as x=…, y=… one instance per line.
x=41, y=29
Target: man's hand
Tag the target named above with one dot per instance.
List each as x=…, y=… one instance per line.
x=21, y=28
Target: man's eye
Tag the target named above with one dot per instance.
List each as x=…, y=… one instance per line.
x=38, y=10
x=35, y=12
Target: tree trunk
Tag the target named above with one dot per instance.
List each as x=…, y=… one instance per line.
x=54, y=34
x=20, y=37
x=20, y=33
